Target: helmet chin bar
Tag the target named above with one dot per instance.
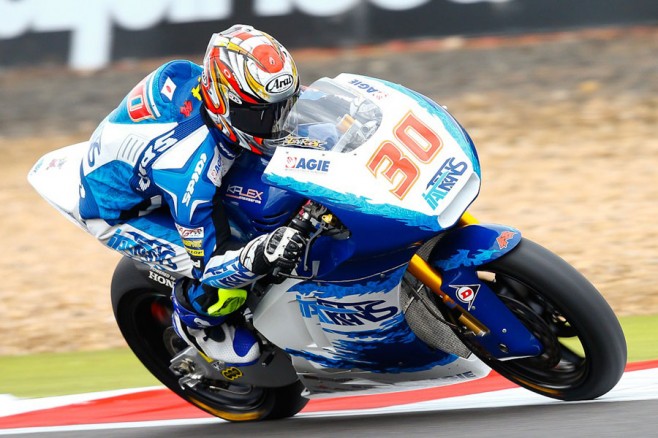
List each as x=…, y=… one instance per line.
x=239, y=139
x=233, y=136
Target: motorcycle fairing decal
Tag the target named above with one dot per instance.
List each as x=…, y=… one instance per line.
x=466, y=293
x=443, y=181
x=362, y=204
x=347, y=314
x=503, y=239
x=474, y=245
x=504, y=327
x=449, y=123
x=150, y=239
x=392, y=348
x=364, y=325
x=138, y=245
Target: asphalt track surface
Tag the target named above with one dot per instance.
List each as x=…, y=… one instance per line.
x=596, y=419
x=630, y=408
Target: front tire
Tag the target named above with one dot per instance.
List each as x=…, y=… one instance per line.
x=143, y=315
x=584, y=346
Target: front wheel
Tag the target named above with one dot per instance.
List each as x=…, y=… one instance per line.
x=584, y=346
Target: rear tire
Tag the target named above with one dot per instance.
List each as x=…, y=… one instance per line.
x=144, y=318
x=584, y=346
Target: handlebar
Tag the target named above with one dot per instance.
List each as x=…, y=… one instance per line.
x=302, y=223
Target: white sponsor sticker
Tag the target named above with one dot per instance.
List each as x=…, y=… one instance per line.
x=190, y=233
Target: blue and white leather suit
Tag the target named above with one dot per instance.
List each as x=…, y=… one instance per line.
x=149, y=183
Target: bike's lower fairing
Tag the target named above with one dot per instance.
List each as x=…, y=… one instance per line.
x=356, y=336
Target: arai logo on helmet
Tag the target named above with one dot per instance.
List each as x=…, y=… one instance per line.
x=279, y=84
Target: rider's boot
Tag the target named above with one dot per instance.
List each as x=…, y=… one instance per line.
x=218, y=338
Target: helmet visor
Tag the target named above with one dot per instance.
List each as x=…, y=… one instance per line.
x=264, y=120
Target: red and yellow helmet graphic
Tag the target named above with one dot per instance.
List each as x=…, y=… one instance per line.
x=242, y=68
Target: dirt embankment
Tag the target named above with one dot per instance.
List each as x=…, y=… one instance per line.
x=566, y=127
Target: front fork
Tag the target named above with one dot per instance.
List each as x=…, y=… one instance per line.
x=459, y=253
x=422, y=270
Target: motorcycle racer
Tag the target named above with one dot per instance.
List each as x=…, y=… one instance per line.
x=150, y=181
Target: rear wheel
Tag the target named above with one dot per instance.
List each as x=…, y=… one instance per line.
x=584, y=346
x=144, y=317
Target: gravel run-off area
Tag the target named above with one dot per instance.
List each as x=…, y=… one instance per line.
x=566, y=125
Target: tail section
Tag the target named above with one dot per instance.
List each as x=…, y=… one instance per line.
x=56, y=177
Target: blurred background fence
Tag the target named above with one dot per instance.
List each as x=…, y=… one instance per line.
x=89, y=34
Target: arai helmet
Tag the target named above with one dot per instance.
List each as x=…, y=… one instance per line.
x=250, y=83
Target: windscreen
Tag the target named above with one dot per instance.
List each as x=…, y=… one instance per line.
x=328, y=116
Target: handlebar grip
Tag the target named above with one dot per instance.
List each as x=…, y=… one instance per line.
x=303, y=226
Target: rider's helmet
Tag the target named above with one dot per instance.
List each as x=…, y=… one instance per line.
x=250, y=83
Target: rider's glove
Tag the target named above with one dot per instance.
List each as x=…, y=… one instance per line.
x=280, y=249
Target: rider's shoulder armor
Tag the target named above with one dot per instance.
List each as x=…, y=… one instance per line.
x=169, y=94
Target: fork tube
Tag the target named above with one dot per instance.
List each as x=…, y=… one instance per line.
x=422, y=270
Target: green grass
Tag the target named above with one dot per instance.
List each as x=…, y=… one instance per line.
x=44, y=375
x=642, y=337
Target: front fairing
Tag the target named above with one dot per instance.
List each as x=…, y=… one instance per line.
x=344, y=134
x=387, y=161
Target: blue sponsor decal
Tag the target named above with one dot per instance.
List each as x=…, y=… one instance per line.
x=244, y=194
x=229, y=274
x=309, y=164
x=346, y=314
x=443, y=181
x=388, y=346
x=368, y=88
x=140, y=247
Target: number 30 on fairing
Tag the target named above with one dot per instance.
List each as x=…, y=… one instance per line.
x=399, y=168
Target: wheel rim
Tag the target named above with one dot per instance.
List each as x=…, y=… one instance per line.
x=564, y=363
x=148, y=313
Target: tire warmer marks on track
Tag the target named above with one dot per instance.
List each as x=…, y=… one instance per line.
x=161, y=404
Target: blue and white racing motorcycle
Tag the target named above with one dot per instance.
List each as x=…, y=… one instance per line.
x=400, y=287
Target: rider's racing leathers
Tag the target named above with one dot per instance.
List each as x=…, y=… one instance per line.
x=150, y=179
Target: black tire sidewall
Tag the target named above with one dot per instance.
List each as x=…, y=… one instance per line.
x=277, y=402
x=584, y=307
